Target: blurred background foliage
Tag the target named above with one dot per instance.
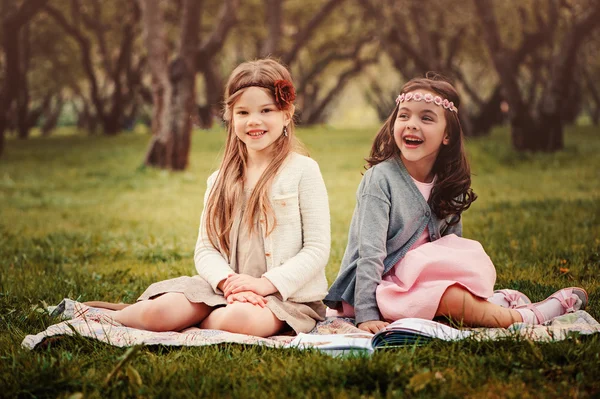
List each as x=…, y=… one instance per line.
x=110, y=66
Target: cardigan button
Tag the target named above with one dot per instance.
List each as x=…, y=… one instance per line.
x=267, y=254
x=427, y=213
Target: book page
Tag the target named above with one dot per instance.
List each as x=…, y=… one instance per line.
x=427, y=328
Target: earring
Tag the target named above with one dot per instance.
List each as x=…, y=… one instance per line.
x=285, y=133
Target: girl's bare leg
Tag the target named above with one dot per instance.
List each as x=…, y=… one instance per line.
x=169, y=312
x=460, y=305
x=244, y=318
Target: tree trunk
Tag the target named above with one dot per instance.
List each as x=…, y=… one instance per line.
x=213, y=82
x=273, y=12
x=13, y=19
x=184, y=106
x=2, y=130
x=51, y=115
x=214, y=95
x=544, y=131
x=123, y=96
x=153, y=21
x=524, y=132
x=171, y=145
x=595, y=114
x=24, y=120
x=85, y=119
x=490, y=115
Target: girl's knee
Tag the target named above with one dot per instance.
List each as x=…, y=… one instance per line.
x=237, y=317
x=156, y=317
x=454, y=301
x=170, y=312
x=245, y=318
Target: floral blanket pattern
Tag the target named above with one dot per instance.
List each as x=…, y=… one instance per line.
x=79, y=319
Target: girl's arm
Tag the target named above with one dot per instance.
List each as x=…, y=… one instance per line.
x=373, y=220
x=316, y=231
x=210, y=263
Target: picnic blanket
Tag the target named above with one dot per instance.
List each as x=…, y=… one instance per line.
x=82, y=320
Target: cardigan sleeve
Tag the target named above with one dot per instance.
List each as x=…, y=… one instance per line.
x=373, y=221
x=210, y=263
x=297, y=271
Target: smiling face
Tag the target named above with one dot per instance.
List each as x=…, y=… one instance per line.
x=257, y=121
x=419, y=133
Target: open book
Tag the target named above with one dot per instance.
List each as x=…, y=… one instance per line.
x=399, y=333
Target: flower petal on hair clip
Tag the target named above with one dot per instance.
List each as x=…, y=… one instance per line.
x=400, y=98
x=285, y=94
x=437, y=100
x=418, y=96
x=408, y=96
x=428, y=97
x=451, y=106
x=445, y=103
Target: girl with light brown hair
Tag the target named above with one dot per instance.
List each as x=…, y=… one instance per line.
x=264, y=235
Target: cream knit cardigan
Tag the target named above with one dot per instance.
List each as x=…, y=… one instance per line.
x=297, y=250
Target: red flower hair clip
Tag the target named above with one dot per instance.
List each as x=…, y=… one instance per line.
x=285, y=94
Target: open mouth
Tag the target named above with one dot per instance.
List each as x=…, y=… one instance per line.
x=257, y=133
x=412, y=141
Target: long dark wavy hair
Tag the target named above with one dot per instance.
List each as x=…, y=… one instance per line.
x=451, y=193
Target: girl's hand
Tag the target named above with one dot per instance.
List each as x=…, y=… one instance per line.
x=243, y=282
x=249, y=297
x=221, y=284
x=373, y=326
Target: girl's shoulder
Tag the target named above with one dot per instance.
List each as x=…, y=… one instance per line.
x=388, y=170
x=388, y=176
x=298, y=164
x=297, y=170
x=297, y=159
x=212, y=178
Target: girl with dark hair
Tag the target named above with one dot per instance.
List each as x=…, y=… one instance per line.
x=405, y=256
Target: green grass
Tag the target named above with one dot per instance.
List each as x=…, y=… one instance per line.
x=79, y=218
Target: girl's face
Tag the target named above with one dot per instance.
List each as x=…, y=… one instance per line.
x=257, y=121
x=419, y=132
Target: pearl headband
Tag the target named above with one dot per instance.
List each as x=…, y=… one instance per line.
x=428, y=98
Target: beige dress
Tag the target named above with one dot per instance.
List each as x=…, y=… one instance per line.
x=249, y=259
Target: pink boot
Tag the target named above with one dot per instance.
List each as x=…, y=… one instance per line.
x=567, y=300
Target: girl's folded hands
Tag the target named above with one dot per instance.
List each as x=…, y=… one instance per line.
x=237, y=283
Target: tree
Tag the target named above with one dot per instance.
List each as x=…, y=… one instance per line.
x=589, y=65
x=324, y=43
x=113, y=76
x=435, y=38
x=14, y=18
x=539, y=128
x=173, y=83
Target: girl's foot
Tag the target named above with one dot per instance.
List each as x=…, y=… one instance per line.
x=563, y=301
x=510, y=299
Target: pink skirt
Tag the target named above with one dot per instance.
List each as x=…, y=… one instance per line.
x=415, y=285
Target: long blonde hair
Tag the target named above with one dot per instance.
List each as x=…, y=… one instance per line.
x=227, y=191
